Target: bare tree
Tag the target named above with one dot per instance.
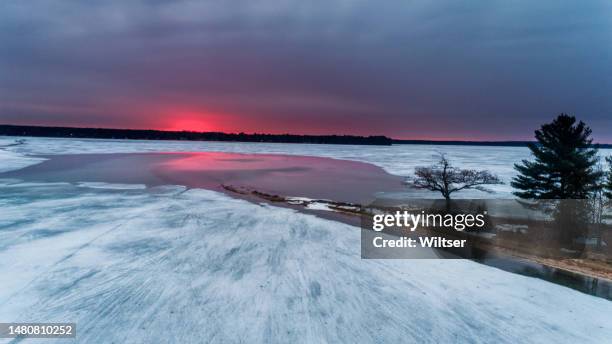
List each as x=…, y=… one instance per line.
x=446, y=179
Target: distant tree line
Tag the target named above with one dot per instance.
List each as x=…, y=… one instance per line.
x=102, y=133
x=477, y=143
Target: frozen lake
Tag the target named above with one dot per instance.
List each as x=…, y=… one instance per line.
x=397, y=159
x=133, y=264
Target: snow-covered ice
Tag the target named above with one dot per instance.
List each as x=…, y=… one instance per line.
x=10, y=160
x=197, y=266
x=396, y=159
x=168, y=264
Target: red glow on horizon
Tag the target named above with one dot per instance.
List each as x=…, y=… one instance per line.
x=189, y=125
x=190, y=120
x=204, y=119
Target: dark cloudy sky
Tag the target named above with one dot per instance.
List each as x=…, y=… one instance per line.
x=406, y=69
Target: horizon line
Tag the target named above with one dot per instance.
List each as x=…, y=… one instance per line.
x=394, y=140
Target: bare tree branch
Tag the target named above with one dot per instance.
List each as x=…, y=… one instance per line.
x=446, y=179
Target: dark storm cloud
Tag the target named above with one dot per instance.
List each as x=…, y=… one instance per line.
x=469, y=69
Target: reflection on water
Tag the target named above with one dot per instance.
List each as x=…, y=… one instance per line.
x=589, y=285
x=313, y=177
x=529, y=239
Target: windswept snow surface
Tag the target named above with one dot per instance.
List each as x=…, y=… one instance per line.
x=10, y=160
x=152, y=265
x=175, y=265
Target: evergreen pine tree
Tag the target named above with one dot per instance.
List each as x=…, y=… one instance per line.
x=564, y=166
x=608, y=182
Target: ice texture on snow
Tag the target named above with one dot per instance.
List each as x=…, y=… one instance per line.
x=190, y=266
x=10, y=160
